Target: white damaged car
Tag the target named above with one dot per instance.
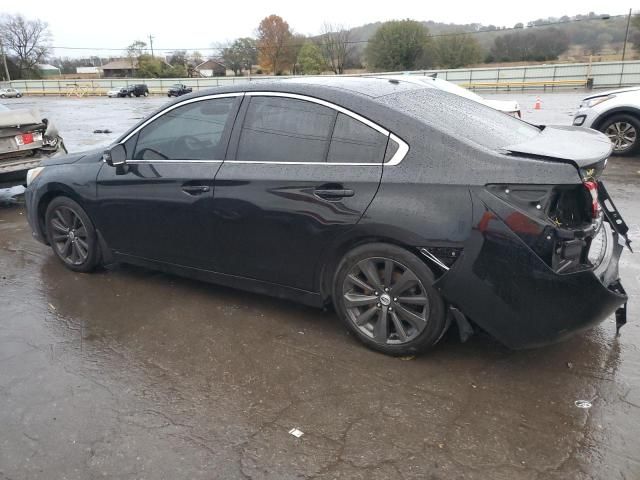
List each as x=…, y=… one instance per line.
x=25, y=139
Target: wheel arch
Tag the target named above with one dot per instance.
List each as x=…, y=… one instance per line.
x=330, y=261
x=54, y=190
x=634, y=112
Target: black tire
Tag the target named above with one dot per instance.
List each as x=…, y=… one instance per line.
x=146, y=94
x=72, y=235
x=3, y=96
x=622, y=146
x=411, y=337
x=19, y=95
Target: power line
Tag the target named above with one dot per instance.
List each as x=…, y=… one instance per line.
x=354, y=42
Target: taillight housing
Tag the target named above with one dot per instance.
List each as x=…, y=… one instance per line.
x=592, y=188
x=28, y=138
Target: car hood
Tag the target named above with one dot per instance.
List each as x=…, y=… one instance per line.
x=612, y=92
x=72, y=157
x=508, y=106
x=580, y=146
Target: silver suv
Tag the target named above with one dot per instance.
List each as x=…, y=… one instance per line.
x=616, y=113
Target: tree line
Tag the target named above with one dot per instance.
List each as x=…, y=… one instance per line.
x=390, y=46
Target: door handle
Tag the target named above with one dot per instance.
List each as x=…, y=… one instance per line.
x=195, y=189
x=333, y=193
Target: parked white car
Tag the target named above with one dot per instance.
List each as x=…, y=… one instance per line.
x=616, y=113
x=510, y=107
x=10, y=93
x=113, y=92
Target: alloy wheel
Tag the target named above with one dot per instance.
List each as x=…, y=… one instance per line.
x=385, y=300
x=69, y=236
x=622, y=134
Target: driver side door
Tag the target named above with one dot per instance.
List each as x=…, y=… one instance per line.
x=157, y=205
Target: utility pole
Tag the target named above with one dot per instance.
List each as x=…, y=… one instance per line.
x=626, y=36
x=151, y=44
x=4, y=61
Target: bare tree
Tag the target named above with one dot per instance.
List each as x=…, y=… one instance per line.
x=28, y=40
x=336, y=46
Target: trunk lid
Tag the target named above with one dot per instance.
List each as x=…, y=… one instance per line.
x=582, y=147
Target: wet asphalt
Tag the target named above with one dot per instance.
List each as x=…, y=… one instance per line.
x=133, y=374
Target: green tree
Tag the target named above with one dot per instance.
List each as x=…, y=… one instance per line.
x=310, y=59
x=455, y=51
x=150, y=67
x=241, y=55
x=399, y=45
x=178, y=57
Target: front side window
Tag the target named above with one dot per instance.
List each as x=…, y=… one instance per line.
x=355, y=142
x=280, y=129
x=195, y=131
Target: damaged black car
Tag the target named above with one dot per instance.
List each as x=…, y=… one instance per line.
x=408, y=209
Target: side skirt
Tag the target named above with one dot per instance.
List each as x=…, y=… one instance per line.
x=312, y=299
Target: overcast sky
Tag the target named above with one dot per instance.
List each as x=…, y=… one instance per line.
x=192, y=24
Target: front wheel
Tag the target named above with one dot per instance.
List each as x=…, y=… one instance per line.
x=19, y=95
x=622, y=130
x=72, y=235
x=146, y=94
x=384, y=295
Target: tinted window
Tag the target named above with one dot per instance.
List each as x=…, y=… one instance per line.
x=285, y=130
x=191, y=132
x=355, y=142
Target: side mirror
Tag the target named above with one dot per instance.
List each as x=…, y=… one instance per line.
x=115, y=155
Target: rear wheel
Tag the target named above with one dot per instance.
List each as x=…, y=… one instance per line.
x=384, y=295
x=623, y=130
x=72, y=235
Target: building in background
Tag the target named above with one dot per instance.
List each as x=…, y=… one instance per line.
x=127, y=67
x=48, y=71
x=88, y=70
x=211, y=68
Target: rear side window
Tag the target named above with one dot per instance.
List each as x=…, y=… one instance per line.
x=195, y=131
x=355, y=142
x=279, y=129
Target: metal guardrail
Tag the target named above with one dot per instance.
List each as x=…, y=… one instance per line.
x=555, y=76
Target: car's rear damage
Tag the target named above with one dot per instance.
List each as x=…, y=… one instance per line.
x=25, y=140
x=541, y=262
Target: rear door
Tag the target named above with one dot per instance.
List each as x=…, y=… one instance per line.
x=158, y=205
x=299, y=173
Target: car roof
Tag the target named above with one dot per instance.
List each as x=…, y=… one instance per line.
x=371, y=87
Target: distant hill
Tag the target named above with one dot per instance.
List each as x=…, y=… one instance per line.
x=587, y=34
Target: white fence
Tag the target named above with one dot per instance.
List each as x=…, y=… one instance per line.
x=555, y=76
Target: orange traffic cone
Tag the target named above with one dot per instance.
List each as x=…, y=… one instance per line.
x=538, y=104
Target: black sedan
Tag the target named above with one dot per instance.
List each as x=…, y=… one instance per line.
x=178, y=89
x=407, y=208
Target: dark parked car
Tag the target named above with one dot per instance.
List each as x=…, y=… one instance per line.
x=408, y=208
x=178, y=89
x=138, y=90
